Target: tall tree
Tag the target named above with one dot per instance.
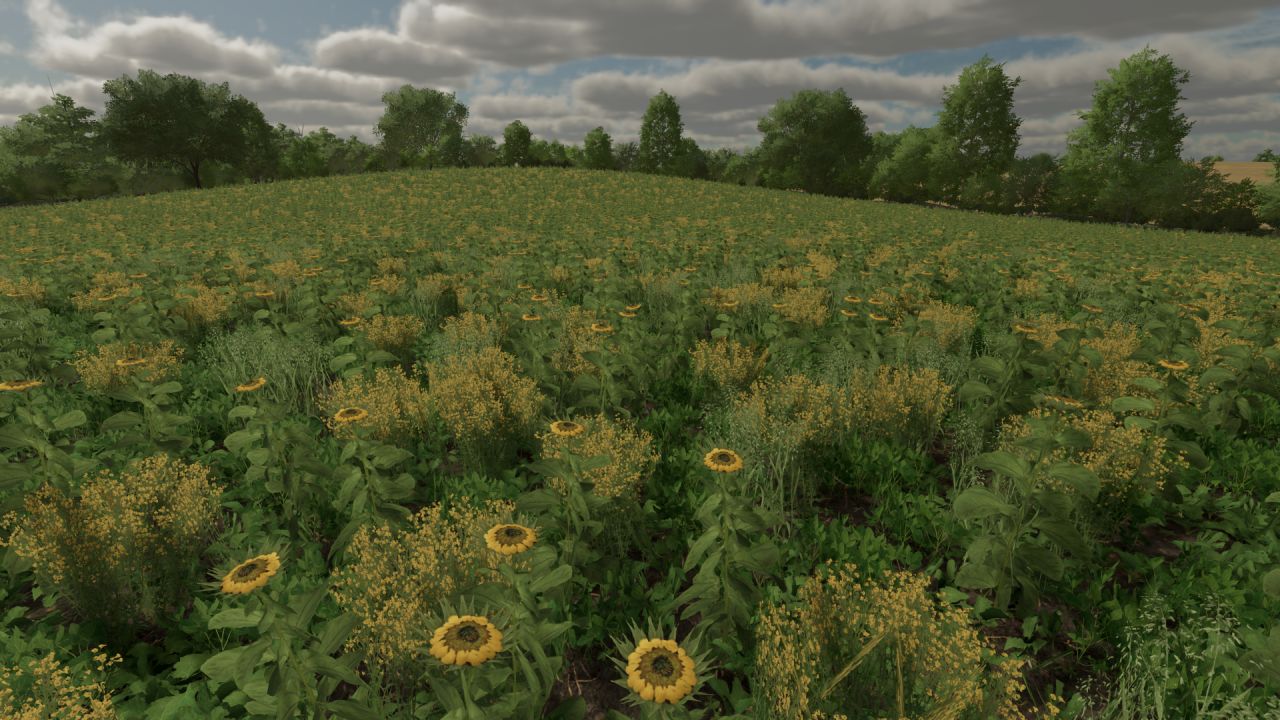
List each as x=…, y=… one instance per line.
x=480, y=151
x=661, y=135
x=598, y=150
x=977, y=127
x=626, y=156
x=516, y=143
x=180, y=121
x=421, y=126
x=56, y=153
x=904, y=175
x=1132, y=128
x=816, y=141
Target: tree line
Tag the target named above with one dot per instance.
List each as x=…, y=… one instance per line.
x=1122, y=164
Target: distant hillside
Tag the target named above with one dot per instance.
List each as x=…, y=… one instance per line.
x=1259, y=172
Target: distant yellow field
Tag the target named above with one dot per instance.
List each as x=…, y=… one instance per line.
x=1259, y=172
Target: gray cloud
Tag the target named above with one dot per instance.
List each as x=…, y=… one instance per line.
x=372, y=51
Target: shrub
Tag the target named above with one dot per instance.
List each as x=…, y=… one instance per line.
x=880, y=646
x=396, y=406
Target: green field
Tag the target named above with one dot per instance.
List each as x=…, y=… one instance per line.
x=264, y=443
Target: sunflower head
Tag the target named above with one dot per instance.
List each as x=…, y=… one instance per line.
x=874, y=301
x=633, y=308
x=852, y=299
x=466, y=640
x=251, y=574
x=660, y=671
x=19, y=385
x=728, y=304
x=130, y=362
x=538, y=297
x=252, y=386
x=350, y=414
x=524, y=286
x=1091, y=308
x=626, y=314
x=566, y=428
x=847, y=312
x=1025, y=329
x=350, y=322
x=510, y=538
x=1174, y=365
x=601, y=328
x=877, y=317
x=722, y=460
x=265, y=294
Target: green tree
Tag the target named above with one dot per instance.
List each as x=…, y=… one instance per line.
x=816, y=141
x=179, y=121
x=56, y=153
x=661, y=135
x=627, y=156
x=480, y=151
x=904, y=175
x=421, y=126
x=1030, y=184
x=978, y=131
x=1132, y=129
x=516, y=142
x=598, y=150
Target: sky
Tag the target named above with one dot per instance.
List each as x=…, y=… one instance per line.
x=565, y=66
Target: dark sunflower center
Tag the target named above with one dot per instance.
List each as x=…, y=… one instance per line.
x=250, y=570
x=512, y=533
x=468, y=633
x=724, y=458
x=662, y=668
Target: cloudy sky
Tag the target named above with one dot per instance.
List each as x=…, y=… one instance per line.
x=565, y=66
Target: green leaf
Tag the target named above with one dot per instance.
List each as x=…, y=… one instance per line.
x=240, y=439
x=1132, y=404
x=380, y=356
x=169, y=388
x=575, y=708
x=121, y=421
x=222, y=667
x=555, y=578
x=234, y=618
x=242, y=411
x=351, y=710
x=69, y=420
x=335, y=633
x=1005, y=463
x=386, y=456
x=258, y=456
x=1077, y=476
x=700, y=547
x=977, y=577
x=1271, y=583
x=342, y=361
x=976, y=503
x=990, y=367
x=974, y=389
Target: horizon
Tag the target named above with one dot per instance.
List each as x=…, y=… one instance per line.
x=563, y=68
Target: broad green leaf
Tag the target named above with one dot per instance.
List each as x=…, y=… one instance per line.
x=976, y=503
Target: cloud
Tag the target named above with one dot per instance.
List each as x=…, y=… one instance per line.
x=372, y=51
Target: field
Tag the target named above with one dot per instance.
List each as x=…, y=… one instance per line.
x=500, y=443
x=1259, y=172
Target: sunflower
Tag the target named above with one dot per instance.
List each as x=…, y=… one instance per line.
x=350, y=414
x=252, y=386
x=722, y=460
x=1189, y=308
x=19, y=385
x=660, y=671
x=265, y=294
x=530, y=317
x=626, y=314
x=877, y=317
x=852, y=299
x=130, y=362
x=1175, y=365
x=466, y=640
x=874, y=301
x=510, y=539
x=848, y=313
x=601, y=327
x=250, y=574
x=778, y=305
x=350, y=322
x=1091, y=308
x=633, y=308
x=566, y=428
x=538, y=297
x=137, y=276
x=524, y=286
x=1027, y=329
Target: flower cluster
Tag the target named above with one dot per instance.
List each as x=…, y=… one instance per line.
x=393, y=404
x=906, y=404
x=112, y=364
x=393, y=332
x=727, y=363
x=630, y=452
x=43, y=688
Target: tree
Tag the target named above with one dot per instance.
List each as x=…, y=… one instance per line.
x=1132, y=129
x=661, y=132
x=516, y=141
x=1267, y=155
x=598, y=150
x=718, y=161
x=816, y=141
x=690, y=161
x=904, y=175
x=627, y=156
x=480, y=151
x=978, y=131
x=56, y=153
x=1030, y=184
x=421, y=126
x=180, y=121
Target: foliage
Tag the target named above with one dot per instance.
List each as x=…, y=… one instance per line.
x=815, y=141
x=661, y=136
x=421, y=126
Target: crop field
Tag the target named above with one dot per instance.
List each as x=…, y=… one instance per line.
x=523, y=443
x=1259, y=172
